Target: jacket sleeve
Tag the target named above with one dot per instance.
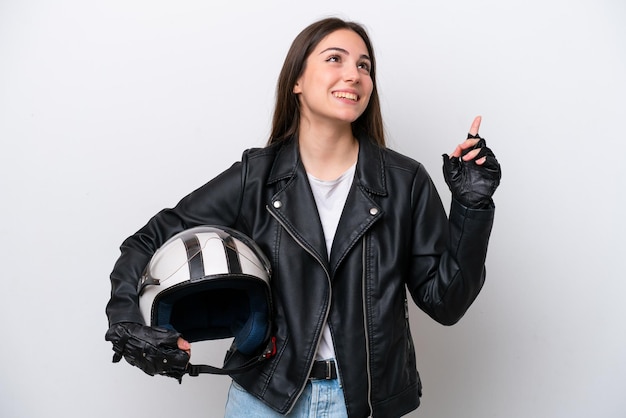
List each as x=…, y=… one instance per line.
x=448, y=253
x=215, y=203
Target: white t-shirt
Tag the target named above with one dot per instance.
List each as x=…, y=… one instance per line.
x=330, y=198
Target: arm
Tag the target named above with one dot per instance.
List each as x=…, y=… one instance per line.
x=449, y=254
x=217, y=203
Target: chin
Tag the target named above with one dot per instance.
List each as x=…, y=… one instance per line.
x=350, y=117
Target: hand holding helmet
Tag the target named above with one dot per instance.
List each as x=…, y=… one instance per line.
x=472, y=171
x=153, y=350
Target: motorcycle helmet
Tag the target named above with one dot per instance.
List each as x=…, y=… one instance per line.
x=209, y=283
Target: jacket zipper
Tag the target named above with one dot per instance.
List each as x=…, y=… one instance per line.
x=330, y=293
x=367, y=337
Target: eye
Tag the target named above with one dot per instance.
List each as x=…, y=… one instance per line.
x=365, y=66
x=333, y=58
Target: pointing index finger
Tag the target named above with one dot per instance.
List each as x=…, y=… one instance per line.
x=475, y=125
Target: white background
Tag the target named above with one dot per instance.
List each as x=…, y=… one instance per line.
x=112, y=110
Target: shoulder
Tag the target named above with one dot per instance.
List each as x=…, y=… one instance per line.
x=274, y=161
x=391, y=159
x=266, y=153
x=395, y=161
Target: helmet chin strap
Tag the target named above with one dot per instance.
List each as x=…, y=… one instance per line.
x=269, y=352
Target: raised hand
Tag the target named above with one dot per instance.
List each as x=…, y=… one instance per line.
x=472, y=171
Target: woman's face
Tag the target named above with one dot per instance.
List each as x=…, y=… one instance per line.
x=336, y=85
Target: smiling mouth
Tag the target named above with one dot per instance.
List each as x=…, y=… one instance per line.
x=346, y=95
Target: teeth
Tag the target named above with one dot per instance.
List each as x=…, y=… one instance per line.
x=346, y=95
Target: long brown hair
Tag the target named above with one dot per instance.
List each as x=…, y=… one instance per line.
x=286, y=120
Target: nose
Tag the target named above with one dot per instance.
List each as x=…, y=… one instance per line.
x=351, y=73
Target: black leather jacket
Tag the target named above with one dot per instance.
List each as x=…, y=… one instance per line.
x=393, y=235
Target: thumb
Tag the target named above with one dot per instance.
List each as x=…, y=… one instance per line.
x=184, y=345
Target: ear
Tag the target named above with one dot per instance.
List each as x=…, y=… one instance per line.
x=296, y=88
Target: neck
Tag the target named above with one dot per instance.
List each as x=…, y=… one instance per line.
x=327, y=153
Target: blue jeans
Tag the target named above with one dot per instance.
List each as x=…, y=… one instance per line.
x=320, y=398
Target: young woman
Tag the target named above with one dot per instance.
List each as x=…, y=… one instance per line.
x=348, y=226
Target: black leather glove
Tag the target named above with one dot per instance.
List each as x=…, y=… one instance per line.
x=471, y=184
x=153, y=350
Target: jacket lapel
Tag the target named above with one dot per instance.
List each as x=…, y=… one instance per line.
x=293, y=205
x=360, y=211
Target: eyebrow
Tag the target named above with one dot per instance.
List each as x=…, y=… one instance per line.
x=335, y=48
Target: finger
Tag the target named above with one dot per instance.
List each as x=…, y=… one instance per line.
x=481, y=160
x=184, y=345
x=458, y=151
x=475, y=125
x=471, y=155
x=467, y=144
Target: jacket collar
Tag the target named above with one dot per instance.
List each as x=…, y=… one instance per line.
x=292, y=204
x=370, y=170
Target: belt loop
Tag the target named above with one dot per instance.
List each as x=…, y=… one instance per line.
x=329, y=370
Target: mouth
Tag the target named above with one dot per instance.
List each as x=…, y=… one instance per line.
x=346, y=95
